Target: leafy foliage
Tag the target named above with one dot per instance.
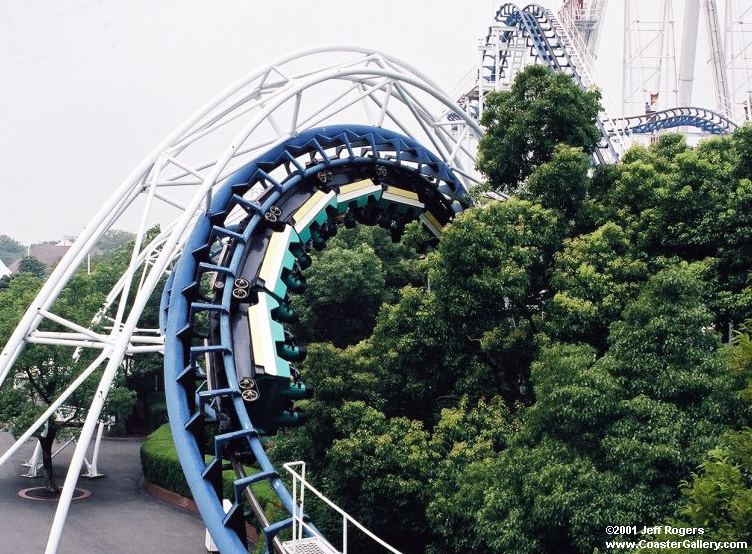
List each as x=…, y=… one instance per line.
x=720, y=495
x=161, y=466
x=556, y=364
x=113, y=241
x=42, y=372
x=345, y=289
x=360, y=269
x=10, y=250
x=524, y=125
x=594, y=276
x=32, y=266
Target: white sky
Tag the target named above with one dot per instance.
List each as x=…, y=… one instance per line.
x=89, y=87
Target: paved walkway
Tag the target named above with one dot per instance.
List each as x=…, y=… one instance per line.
x=118, y=517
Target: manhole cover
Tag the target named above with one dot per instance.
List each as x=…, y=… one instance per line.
x=41, y=493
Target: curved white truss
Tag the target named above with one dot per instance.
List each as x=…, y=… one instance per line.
x=337, y=84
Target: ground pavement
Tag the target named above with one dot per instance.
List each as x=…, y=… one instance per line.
x=118, y=518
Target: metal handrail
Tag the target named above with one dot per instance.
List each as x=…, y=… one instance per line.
x=298, y=525
x=584, y=68
x=581, y=49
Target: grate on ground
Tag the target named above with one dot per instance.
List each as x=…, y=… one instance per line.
x=310, y=545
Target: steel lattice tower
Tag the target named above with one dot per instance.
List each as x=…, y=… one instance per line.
x=738, y=57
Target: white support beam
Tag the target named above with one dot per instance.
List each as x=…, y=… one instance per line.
x=717, y=58
x=688, y=52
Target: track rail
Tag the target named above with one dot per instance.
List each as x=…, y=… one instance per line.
x=204, y=369
x=708, y=121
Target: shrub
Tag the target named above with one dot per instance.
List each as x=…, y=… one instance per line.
x=161, y=466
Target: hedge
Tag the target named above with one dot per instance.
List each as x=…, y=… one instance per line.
x=160, y=465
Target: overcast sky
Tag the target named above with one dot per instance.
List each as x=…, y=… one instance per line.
x=91, y=86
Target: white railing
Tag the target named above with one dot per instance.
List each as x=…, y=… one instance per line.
x=580, y=48
x=584, y=64
x=299, y=487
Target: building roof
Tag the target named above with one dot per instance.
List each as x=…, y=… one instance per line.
x=48, y=254
x=4, y=269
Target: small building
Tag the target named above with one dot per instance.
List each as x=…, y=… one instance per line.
x=49, y=254
x=4, y=269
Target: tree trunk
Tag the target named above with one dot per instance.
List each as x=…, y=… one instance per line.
x=46, y=440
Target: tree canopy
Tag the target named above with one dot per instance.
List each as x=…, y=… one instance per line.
x=10, y=249
x=556, y=364
x=524, y=125
x=43, y=371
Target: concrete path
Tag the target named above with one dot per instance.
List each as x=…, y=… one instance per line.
x=118, y=517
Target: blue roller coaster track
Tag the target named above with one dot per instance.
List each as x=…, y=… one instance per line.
x=228, y=357
x=708, y=121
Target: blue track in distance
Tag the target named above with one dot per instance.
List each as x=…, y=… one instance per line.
x=706, y=120
x=340, y=152
x=535, y=24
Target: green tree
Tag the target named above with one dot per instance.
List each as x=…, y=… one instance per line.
x=719, y=496
x=465, y=435
x=42, y=372
x=523, y=125
x=607, y=439
x=575, y=398
x=399, y=260
x=32, y=266
x=493, y=263
x=691, y=203
x=378, y=470
x=339, y=376
x=490, y=277
x=411, y=350
x=742, y=141
x=562, y=183
x=594, y=277
x=345, y=290
x=664, y=349
x=544, y=492
x=10, y=250
x=559, y=356
x=113, y=241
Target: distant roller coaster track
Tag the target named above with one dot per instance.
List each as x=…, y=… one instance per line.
x=708, y=121
x=537, y=26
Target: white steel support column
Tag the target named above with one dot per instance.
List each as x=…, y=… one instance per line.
x=649, y=79
x=737, y=49
x=92, y=471
x=715, y=46
x=688, y=51
x=35, y=462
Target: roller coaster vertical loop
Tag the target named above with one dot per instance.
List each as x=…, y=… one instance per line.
x=269, y=107
x=350, y=170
